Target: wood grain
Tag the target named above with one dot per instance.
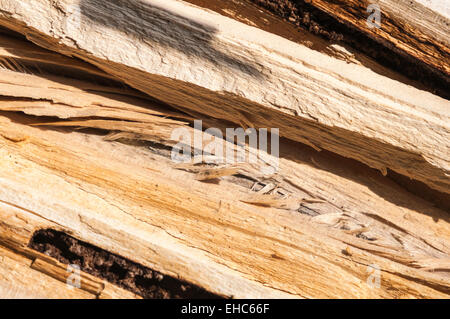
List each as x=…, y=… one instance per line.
x=319, y=208
x=321, y=219
x=209, y=64
x=414, y=28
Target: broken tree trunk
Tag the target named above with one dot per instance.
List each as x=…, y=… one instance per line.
x=321, y=219
x=201, y=62
x=85, y=155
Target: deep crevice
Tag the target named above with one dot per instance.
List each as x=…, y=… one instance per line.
x=120, y=271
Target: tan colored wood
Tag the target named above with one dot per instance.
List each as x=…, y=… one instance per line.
x=419, y=29
x=18, y=280
x=320, y=220
x=238, y=73
x=26, y=273
x=198, y=231
x=60, y=272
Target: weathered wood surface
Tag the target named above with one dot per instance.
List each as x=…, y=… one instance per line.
x=202, y=62
x=170, y=222
x=27, y=274
x=321, y=219
x=419, y=29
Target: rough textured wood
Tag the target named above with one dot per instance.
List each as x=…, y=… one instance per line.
x=210, y=64
x=199, y=232
x=20, y=281
x=328, y=34
x=419, y=29
x=321, y=219
x=24, y=274
x=59, y=272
